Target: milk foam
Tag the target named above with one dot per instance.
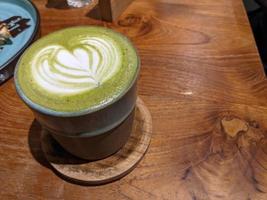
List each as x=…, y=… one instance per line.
x=87, y=64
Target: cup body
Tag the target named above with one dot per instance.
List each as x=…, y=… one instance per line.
x=90, y=134
x=94, y=135
x=100, y=146
x=92, y=123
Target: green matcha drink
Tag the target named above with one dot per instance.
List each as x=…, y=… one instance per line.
x=77, y=69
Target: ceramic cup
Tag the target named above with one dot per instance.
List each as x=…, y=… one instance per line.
x=91, y=134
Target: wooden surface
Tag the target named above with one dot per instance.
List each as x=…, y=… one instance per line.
x=111, y=9
x=204, y=85
x=106, y=170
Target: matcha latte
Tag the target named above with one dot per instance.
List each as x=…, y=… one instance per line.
x=77, y=69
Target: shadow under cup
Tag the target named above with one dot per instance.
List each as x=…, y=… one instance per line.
x=90, y=135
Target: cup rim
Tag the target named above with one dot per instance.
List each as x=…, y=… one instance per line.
x=48, y=111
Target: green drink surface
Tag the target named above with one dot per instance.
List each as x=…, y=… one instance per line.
x=77, y=69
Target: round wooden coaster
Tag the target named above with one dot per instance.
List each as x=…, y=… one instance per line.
x=108, y=169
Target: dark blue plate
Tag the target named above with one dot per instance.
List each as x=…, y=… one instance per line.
x=22, y=19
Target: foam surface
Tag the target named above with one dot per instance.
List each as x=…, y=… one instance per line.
x=89, y=64
x=77, y=69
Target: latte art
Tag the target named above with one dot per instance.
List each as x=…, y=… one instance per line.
x=86, y=65
x=77, y=69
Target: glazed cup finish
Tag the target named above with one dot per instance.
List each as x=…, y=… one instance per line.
x=91, y=134
x=95, y=135
x=96, y=147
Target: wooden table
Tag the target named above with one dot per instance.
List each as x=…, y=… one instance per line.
x=204, y=84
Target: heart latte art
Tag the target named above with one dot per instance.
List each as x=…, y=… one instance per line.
x=86, y=66
x=77, y=69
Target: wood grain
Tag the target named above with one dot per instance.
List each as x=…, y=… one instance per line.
x=109, y=169
x=200, y=65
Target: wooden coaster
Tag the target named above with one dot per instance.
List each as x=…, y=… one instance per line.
x=108, y=169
